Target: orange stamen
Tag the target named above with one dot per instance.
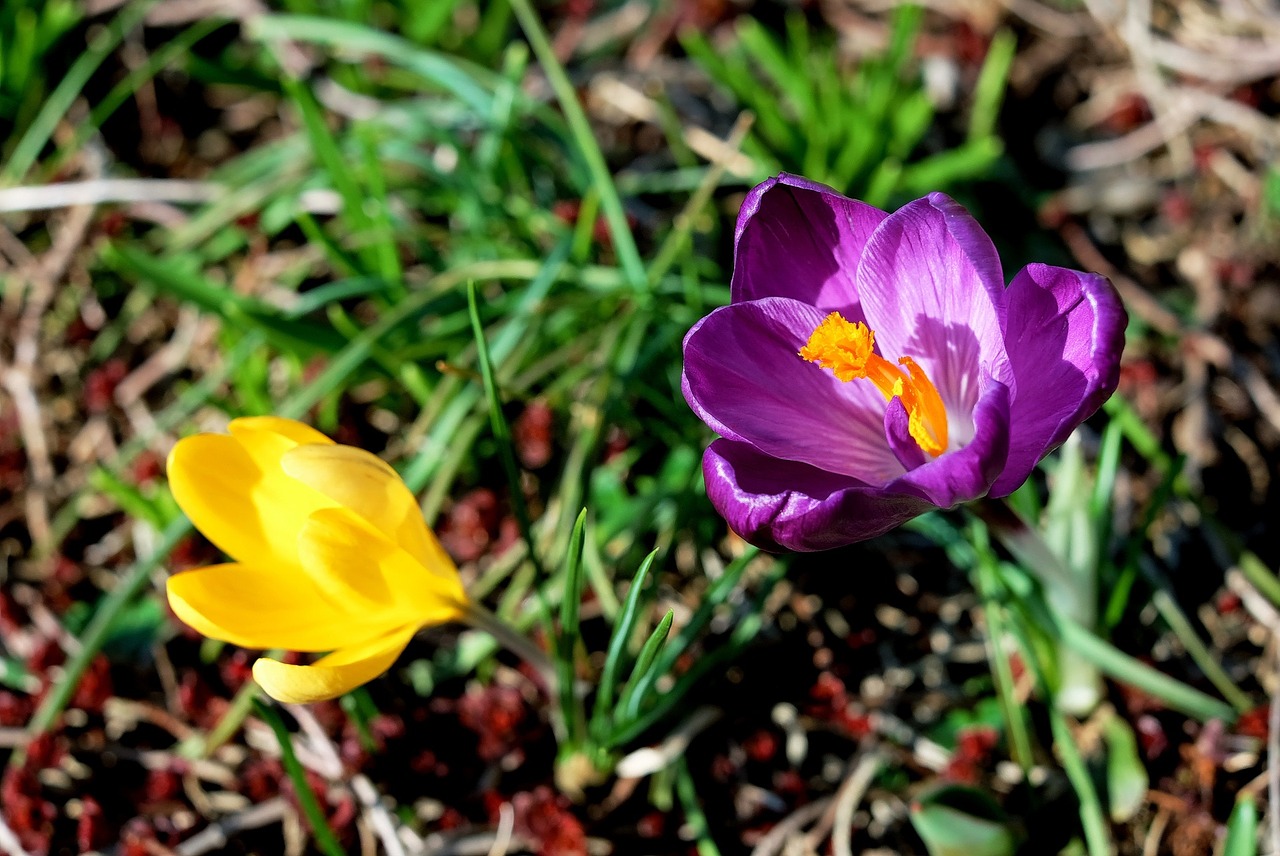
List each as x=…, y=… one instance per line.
x=848, y=350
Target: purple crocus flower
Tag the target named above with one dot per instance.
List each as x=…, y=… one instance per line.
x=874, y=366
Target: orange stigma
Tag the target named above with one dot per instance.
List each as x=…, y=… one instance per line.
x=848, y=349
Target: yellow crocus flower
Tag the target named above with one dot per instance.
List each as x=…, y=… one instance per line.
x=331, y=554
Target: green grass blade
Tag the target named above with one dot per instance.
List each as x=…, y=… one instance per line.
x=385, y=253
x=746, y=629
x=204, y=745
x=458, y=78
x=762, y=47
x=622, y=631
x=906, y=24
x=1127, y=779
x=624, y=243
x=334, y=292
x=325, y=839
x=424, y=21
x=1001, y=671
x=178, y=47
x=56, y=105
x=329, y=154
x=109, y=608
x=642, y=720
x=568, y=637
x=971, y=160
x=354, y=354
x=15, y=675
x=1108, y=469
x=716, y=595
x=695, y=817
x=180, y=279
x=130, y=498
x=1096, y=835
x=1200, y=653
x=1260, y=575
x=992, y=80
x=1145, y=442
x=1122, y=667
x=501, y=430
x=676, y=240
x=437, y=446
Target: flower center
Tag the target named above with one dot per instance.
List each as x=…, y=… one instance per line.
x=849, y=351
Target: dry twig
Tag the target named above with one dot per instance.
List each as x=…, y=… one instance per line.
x=218, y=835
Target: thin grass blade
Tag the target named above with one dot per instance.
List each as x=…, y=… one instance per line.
x=622, y=631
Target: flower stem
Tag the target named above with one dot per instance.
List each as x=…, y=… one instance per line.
x=514, y=641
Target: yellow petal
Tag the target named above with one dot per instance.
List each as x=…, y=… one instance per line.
x=237, y=494
x=331, y=676
x=355, y=563
x=290, y=429
x=257, y=607
x=366, y=484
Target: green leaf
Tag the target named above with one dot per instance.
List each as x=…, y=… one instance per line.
x=178, y=276
x=157, y=510
x=622, y=631
x=992, y=80
x=629, y=704
x=1126, y=773
x=960, y=821
x=969, y=161
x=1242, y=828
x=454, y=76
x=15, y=674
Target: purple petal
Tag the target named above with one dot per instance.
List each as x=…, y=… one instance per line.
x=800, y=239
x=779, y=505
x=897, y=430
x=932, y=289
x=968, y=473
x=1064, y=331
x=744, y=377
